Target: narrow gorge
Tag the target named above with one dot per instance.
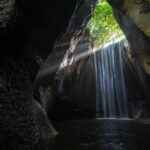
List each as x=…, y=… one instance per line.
x=75, y=75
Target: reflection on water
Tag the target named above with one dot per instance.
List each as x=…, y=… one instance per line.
x=100, y=134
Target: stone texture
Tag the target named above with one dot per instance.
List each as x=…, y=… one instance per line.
x=26, y=40
x=6, y=11
x=69, y=55
x=133, y=17
x=139, y=13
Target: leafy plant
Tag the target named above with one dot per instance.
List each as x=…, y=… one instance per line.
x=103, y=26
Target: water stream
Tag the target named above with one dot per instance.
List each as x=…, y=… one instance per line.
x=111, y=93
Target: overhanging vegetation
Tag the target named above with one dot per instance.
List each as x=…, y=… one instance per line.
x=103, y=26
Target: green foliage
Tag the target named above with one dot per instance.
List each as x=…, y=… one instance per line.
x=103, y=26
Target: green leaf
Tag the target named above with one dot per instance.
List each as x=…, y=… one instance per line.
x=103, y=26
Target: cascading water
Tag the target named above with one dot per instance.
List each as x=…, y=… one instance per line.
x=111, y=91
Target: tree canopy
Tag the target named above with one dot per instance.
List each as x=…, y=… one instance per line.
x=103, y=26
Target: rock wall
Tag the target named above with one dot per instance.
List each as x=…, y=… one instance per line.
x=133, y=17
x=69, y=54
x=20, y=127
x=75, y=89
x=137, y=85
x=28, y=30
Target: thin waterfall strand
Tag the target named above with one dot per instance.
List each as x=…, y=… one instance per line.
x=110, y=82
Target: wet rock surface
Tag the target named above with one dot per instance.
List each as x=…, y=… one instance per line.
x=133, y=17
x=100, y=134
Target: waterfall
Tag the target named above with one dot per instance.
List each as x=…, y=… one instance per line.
x=111, y=96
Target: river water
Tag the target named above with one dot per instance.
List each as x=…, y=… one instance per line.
x=101, y=134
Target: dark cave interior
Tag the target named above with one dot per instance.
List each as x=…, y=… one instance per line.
x=48, y=83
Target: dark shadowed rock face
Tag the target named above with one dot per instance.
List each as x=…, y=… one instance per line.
x=23, y=122
x=16, y=104
x=65, y=63
x=26, y=39
x=34, y=27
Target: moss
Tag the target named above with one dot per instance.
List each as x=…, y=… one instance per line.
x=103, y=26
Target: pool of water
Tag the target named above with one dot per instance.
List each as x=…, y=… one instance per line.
x=101, y=134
